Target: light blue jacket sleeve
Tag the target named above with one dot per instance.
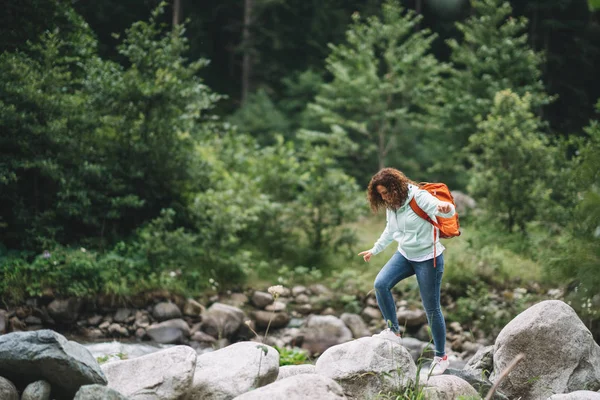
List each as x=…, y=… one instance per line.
x=429, y=203
x=385, y=239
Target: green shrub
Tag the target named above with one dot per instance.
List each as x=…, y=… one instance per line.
x=292, y=356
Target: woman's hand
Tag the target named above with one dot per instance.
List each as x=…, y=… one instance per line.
x=366, y=255
x=444, y=207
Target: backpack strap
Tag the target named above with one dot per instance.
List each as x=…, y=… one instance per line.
x=415, y=207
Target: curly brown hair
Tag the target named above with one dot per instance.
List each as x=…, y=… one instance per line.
x=395, y=182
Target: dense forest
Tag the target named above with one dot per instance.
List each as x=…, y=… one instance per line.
x=189, y=145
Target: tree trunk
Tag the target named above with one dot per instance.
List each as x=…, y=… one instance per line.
x=382, y=150
x=247, y=58
x=418, y=8
x=534, y=27
x=176, y=12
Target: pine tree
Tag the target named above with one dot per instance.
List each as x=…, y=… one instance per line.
x=493, y=55
x=384, y=78
x=512, y=161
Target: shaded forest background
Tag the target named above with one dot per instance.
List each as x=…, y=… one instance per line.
x=199, y=145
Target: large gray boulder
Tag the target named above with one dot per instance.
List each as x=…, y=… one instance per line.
x=448, y=387
x=98, y=392
x=27, y=357
x=560, y=353
x=164, y=375
x=298, y=387
x=367, y=366
x=577, y=395
x=233, y=370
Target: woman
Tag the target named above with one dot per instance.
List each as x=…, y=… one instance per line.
x=391, y=189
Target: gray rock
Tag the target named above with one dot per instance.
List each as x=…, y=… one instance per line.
x=202, y=337
x=482, y=363
x=356, y=325
x=169, y=332
x=464, y=203
x=261, y=299
x=166, y=310
x=2, y=322
x=122, y=314
x=448, y=387
x=192, y=308
x=323, y=331
x=39, y=390
x=118, y=330
x=276, y=306
x=366, y=367
x=411, y=318
x=479, y=382
x=236, y=300
x=142, y=319
x=164, y=375
x=418, y=349
x=98, y=392
x=8, y=391
x=371, y=314
x=298, y=387
x=95, y=320
x=298, y=290
x=560, y=353
x=277, y=320
x=222, y=321
x=233, y=370
x=291, y=370
x=27, y=357
x=65, y=310
x=577, y=395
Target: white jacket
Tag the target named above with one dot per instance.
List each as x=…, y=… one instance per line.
x=413, y=234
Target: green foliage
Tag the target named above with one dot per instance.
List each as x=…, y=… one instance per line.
x=383, y=81
x=577, y=254
x=507, y=145
x=261, y=117
x=480, y=309
x=492, y=55
x=291, y=356
x=64, y=271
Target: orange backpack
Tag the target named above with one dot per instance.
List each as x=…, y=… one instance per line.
x=449, y=227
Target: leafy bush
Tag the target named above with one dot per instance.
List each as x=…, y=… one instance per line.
x=291, y=356
x=60, y=271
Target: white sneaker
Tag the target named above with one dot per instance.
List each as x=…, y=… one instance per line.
x=388, y=334
x=439, y=365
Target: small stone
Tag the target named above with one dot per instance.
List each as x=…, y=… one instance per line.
x=122, y=314
x=302, y=299
x=371, y=314
x=165, y=311
x=298, y=290
x=95, y=320
x=192, y=308
x=328, y=311
x=276, y=306
x=118, y=330
x=39, y=390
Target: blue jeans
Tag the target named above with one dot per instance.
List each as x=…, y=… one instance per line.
x=429, y=280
